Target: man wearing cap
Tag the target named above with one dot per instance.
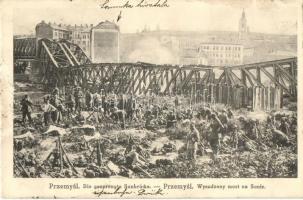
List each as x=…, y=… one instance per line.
x=215, y=134
x=56, y=101
x=26, y=108
x=193, y=138
x=78, y=99
x=284, y=126
x=70, y=103
x=47, y=110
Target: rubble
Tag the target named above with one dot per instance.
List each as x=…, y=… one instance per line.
x=85, y=129
x=54, y=131
x=84, y=147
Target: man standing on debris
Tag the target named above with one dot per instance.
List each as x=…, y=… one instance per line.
x=215, y=134
x=26, y=108
x=224, y=120
x=89, y=100
x=171, y=119
x=131, y=107
x=230, y=114
x=56, y=101
x=234, y=135
x=284, y=126
x=78, y=99
x=47, y=109
x=193, y=138
x=177, y=102
x=70, y=103
x=134, y=159
x=119, y=116
x=113, y=100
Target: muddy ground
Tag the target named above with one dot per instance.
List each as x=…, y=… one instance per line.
x=80, y=143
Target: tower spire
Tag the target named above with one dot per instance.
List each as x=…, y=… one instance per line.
x=243, y=26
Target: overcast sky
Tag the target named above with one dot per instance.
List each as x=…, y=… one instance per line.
x=267, y=16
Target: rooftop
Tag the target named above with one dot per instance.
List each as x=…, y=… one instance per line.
x=66, y=27
x=107, y=25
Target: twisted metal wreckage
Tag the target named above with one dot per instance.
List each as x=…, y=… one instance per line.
x=259, y=85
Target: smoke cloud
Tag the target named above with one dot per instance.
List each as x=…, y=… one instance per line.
x=150, y=50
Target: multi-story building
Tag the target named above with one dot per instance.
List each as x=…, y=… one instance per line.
x=81, y=35
x=76, y=34
x=222, y=54
x=105, y=43
x=52, y=31
x=192, y=56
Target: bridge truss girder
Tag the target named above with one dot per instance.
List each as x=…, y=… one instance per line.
x=25, y=48
x=64, y=63
x=141, y=78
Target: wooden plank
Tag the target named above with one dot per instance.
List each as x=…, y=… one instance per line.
x=291, y=78
x=50, y=55
x=236, y=77
x=174, y=76
x=274, y=80
x=221, y=77
x=122, y=80
x=72, y=55
x=253, y=77
x=248, y=77
x=153, y=79
x=66, y=55
x=258, y=74
x=230, y=78
x=130, y=80
x=140, y=81
x=187, y=79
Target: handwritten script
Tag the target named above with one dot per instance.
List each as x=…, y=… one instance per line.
x=125, y=191
x=112, y=4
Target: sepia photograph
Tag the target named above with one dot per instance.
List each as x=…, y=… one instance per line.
x=165, y=89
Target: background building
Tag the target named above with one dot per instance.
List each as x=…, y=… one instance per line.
x=79, y=35
x=243, y=26
x=52, y=31
x=105, y=43
x=220, y=54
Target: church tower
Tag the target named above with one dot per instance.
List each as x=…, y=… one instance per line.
x=243, y=27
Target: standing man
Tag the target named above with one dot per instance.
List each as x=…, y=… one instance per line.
x=89, y=100
x=48, y=109
x=56, y=101
x=26, y=108
x=70, y=103
x=78, y=99
x=131, y=107
x=215, y=134
x=284, y=126
x=193, y=138
x=177, y=102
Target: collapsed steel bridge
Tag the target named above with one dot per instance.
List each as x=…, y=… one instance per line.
x=61, y=63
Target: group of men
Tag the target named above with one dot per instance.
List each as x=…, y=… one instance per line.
x=56, y=105
x=216, y=124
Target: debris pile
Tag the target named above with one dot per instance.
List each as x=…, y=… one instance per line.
x=156, y=140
